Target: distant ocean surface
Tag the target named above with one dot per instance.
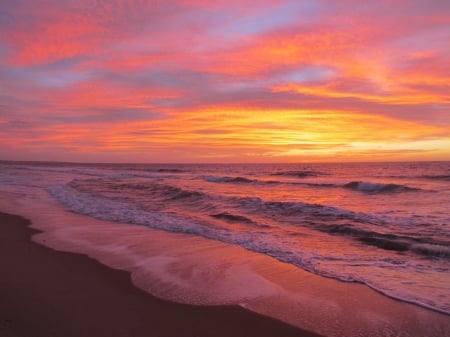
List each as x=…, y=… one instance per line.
x=386, y=225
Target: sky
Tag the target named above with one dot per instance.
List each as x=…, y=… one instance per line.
x=224, y=81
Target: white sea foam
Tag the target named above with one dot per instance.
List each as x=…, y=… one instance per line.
x=371, y=187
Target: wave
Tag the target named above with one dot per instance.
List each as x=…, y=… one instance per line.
x=154, y=191
x=160, y=195
x=362, y=186
x=185, y=194
x=319, y=185
x=233, y=218
x=299, y=174
x=436, y=177
x=422, y=246
x=168, y=170
x=214, y=179
x=334, y=221
x=424, y=176
x=431, y=249
x=167, y=192
x=370, y=187
x=400, y=244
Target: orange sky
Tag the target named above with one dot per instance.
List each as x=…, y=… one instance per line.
x=224, y=81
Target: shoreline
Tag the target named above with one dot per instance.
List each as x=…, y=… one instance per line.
x=44, y=292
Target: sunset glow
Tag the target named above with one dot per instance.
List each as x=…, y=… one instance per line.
x=221, y=81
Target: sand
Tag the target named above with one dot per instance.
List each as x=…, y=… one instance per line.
x=48, y=293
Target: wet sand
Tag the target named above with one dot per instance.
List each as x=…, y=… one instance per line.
x=48, y=293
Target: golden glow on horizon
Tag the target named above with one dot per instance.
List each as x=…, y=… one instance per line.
x=281, y=135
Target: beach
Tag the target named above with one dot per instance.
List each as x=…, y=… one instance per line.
x=210, y=168
x=48, y=293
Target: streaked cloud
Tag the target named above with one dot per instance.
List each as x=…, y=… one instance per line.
x=224, y=81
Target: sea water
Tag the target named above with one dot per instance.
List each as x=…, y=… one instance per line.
x=384, y=225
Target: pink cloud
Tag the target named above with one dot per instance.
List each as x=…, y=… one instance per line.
x=76, y=63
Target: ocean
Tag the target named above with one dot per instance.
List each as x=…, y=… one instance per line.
x=382, y=225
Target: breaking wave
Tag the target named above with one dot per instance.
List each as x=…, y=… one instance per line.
x=334, y=221
x=275, y=228
x=370, y=187
x=362, y=186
